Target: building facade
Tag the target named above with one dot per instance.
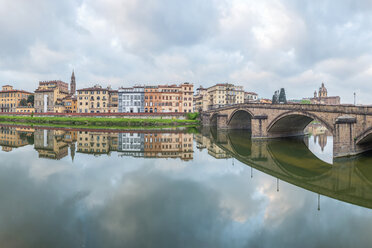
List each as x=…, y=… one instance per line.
x=70, y=104
x=113, y=101
x=49, y=95
x=201, y=100
x=11, y=98
x=169, y=98
x=93, y=100
x=217, y=96
x=250, y=97
x=131, y=100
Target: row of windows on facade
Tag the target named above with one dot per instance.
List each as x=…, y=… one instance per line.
x=92, y=150
x=131, y=146
x=166, y=90
x=12, y=95
x=165, y=104
x=168, y=98
x=229, y=97
x=92, y=105
x=93, y=144
x=92, y=138
x=93, y=92
x=92, y=111
x=130, y=103
x=92, y=98
x=131, y=97
x=7, y=105
x=167, y=146
x=131, y=140
x=155, y=110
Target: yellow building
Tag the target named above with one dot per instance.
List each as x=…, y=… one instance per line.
x=113, y=101
x=201, y=99
x=10, y=98
x=218, y=95
x=48, y=95
x=97, y=100
x=225, y=94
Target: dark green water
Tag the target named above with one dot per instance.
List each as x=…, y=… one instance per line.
x=77, y=188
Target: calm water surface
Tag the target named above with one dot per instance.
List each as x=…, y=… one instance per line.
x=78, y=188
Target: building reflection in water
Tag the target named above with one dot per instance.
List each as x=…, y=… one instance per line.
x=56, y=144
x=319, y=134
x=15, y=137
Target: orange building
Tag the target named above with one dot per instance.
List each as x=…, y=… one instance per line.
x=169, y=98
x=70, y=104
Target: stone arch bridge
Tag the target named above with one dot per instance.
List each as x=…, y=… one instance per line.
x=351, y=126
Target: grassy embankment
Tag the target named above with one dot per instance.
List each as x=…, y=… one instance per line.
x=99, y=122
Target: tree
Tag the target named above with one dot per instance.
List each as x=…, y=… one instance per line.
x=23, y=102
x=30, y=99
x=282, y=96
x=275, y=99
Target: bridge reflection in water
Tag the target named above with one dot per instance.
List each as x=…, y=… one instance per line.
x=290, y=160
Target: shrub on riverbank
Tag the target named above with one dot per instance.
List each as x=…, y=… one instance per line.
x=192, y=116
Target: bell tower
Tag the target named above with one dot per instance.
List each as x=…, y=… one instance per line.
x=73, y=84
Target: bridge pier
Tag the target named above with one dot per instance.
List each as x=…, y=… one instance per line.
x=344, y=137
x=206, y=119
x=259, y=126
x=222, y=120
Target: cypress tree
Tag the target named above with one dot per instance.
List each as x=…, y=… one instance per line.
x=282, y=96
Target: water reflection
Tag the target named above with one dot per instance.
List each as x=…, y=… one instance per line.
x=123, y=190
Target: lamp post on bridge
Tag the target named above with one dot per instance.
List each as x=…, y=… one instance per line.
x=354, y=98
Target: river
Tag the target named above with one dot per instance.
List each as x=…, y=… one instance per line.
x=179, y=188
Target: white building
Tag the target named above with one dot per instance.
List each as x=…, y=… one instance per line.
x=131, y=100
x=250, y=97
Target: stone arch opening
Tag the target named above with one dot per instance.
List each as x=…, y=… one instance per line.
x=240, y=119
x=364, y=141
x=213, y=120
x=293, y=124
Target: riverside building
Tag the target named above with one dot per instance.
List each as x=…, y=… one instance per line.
x=169, y=98
x=97, y=100
x=49, y=95
x=10, y=98
x=131, y=100
x=218, y=95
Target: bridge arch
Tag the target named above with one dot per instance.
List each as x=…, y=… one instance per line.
x=240, y=119
x=365, y=137
x=213, y=120
x=364, y=140
x=293, y=123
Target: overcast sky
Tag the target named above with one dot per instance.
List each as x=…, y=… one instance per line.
x=262, y=45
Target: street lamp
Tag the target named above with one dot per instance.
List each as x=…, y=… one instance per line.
x=354, y=98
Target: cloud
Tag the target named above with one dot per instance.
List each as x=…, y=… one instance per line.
x=262, y=45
